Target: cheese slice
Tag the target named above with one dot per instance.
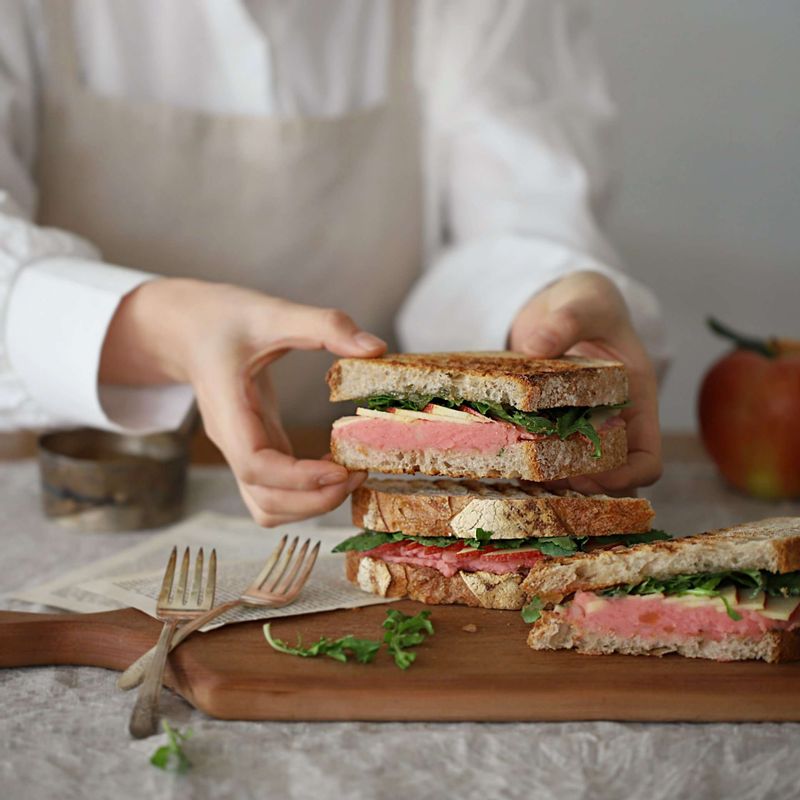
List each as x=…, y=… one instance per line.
x=780, y=607
x=369, y=412
x=454, y=415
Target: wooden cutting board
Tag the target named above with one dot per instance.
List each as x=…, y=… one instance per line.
x=231, y=673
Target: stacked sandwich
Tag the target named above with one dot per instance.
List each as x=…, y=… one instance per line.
x=588, y=572
x=472, y=417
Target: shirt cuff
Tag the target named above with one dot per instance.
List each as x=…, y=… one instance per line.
x=59, y=311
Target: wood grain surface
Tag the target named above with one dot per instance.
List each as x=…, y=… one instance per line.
x=489, y=674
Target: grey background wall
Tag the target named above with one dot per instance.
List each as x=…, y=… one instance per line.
x=708, y=148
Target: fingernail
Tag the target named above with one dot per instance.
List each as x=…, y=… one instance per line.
x=366, y=341
x=332, y=478
x=542, y=342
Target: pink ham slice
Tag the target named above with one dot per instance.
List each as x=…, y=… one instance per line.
x=386, y=434
x=654, y=617
x=450, y=560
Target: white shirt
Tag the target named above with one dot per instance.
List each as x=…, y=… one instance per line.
x=515, y=113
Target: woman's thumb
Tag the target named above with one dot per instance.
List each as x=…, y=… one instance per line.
x=553, y=333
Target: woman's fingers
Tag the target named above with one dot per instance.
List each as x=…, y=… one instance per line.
x=271, y=468
x=585, y=314
x=641, y=420
x=276, y=487
x=578, y=308
x=277, y=504
x=310, y=328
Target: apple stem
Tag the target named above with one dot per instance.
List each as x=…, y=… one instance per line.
x=764, y=346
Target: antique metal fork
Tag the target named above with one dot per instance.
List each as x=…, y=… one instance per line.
x=174, y=605
x=266, y=590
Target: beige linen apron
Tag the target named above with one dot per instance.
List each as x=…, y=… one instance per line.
x=324, y=211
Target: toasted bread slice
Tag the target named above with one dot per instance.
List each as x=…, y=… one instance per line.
x=553, y=632
x=427, y=585
x=545, y=459
x=527, y=384
x=509, y=511
x=770, y=544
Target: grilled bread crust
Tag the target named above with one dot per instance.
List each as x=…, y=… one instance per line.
x=770, y=544
x=509, y=511
x=552, y=632
x=524, y=383
x=544, y=459
x=427, y=585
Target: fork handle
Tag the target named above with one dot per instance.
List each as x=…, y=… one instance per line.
x=134, y=674
x=144, y=717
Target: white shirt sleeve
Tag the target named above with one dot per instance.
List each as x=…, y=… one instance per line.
x=57, y=298
x=516, y=114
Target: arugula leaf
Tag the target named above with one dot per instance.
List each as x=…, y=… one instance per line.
x=412, y=402
x=482, y=537
x=404, y=631
x=170, y=757
x=363, y=650
x=629, y=539
x=711, y=585
x=787, y=585
x=557, y=546
x=368, y=540
x=436, y=541
x=532, y=611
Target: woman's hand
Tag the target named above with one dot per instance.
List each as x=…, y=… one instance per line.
x=585, y=314
x=220, y=338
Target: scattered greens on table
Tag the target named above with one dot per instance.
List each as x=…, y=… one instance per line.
x=363, y=650
x=532, y=611
x=402, y=632
x=561, y=422
x=170, y=757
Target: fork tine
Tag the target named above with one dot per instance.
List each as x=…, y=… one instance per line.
x=269, y=565
x=211, y=584
x=169, y=574
x=297, y=564
x=197, y=580
x=287, y=559
x=180, y=595
x=301, y=579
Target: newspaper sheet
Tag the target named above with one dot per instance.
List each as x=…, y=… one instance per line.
x=133, y=577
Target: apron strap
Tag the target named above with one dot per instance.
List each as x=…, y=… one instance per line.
x=63, y=66
x=401, y=59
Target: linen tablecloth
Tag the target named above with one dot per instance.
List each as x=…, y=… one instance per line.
x=63, y=730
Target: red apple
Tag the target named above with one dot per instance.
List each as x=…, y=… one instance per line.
x=749, y=411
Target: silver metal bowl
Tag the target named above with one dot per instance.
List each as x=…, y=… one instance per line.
x=100, y=481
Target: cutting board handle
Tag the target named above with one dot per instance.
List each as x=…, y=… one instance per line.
x=107, y=639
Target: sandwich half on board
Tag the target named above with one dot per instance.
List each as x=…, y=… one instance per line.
x=475, y=544
x=728, y=595
x=480, y=415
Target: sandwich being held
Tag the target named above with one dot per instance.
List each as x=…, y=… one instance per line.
x=480, y=415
